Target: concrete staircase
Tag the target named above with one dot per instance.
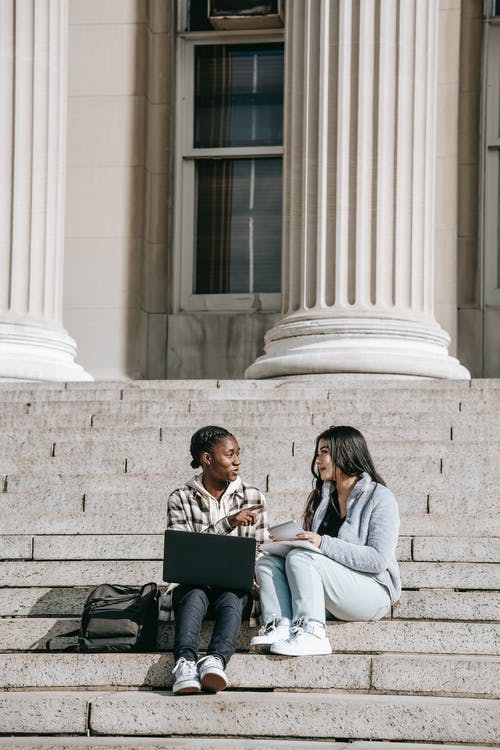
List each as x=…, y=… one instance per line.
x=85, y=471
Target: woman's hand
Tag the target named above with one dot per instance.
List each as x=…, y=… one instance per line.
x=245, y=516
x=311, y=537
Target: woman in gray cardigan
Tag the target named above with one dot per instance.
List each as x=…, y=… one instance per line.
x=346, y=564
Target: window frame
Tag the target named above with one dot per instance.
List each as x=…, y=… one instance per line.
x=184, y=299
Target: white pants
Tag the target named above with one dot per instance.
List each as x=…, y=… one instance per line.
x=304, y=584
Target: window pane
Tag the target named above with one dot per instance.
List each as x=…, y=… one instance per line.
x=238, y=95
x=238, y=226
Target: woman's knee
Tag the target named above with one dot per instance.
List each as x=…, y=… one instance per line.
x=268, y=565
x=299, y=557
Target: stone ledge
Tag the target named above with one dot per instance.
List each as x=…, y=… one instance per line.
x=385, y=636
x=51, y=712
x=294, y=714
x=466, y=676
x=415, y=575
x=437, y=675
x=426, y=604
x=47, y=547
x=209, y=743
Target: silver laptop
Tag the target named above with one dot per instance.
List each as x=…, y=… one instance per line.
x=196, y=559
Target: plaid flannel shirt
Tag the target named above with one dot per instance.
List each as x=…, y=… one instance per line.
x=189, y=509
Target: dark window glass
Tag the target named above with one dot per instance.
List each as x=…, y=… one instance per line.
x=238, y=229
x=238, y=95
x=198, y=16
x=242, y=7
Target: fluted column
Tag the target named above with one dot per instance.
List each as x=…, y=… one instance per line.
x=33, y=100
x=359, y=184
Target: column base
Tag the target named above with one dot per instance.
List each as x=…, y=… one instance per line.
x=29, y=352
x=370, y=346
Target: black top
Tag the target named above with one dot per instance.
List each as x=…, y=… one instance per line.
x=332, y=520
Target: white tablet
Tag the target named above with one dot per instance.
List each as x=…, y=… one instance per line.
x=286, y=531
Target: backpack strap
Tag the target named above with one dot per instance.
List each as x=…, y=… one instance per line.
x=70, y=647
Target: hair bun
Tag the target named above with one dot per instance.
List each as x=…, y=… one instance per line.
x=195, y=464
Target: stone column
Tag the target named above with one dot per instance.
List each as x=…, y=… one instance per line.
x=359, y=177
x=33, y=65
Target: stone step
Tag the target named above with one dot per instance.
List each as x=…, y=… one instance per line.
x=464, y=676
x=446, y=549
x=142, y=521
x=102, y=547
x=155, y=456
x=403, y=478
x=289, y=714
x=461, y=576
x=150, y=547
x=190, y=401
x=426, y=604
x=304, y=427
x=437, y=675
x=395, y=636
x=375, y=424
x=442, y=604
x=206, y=743
x=209, y=743
x=178, y=403
x=337, y=381
x=415, y=575
x=323, y=389
x=45, y=444
x=154, y=503
x=255, y=714
x=387, y=404
x=153, y=498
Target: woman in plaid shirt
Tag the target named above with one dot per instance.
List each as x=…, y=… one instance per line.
x=215, y=501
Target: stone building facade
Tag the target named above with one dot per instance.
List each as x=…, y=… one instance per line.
x=155, y=162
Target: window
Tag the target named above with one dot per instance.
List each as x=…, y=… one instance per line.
x=229, y=170
x=492, y=163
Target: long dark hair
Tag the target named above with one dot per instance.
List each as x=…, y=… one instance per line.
x=350, y=453
x=205, y=439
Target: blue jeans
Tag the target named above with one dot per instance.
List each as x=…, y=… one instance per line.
x=192, y=604
x=307, y=584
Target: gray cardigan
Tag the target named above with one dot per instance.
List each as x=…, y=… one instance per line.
x=368, y=537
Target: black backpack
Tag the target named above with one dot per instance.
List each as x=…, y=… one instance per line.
x=116, y=618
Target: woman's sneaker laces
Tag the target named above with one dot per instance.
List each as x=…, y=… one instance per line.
x=306, y=639
x=278, y=629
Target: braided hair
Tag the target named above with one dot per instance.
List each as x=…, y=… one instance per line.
x=204, y=440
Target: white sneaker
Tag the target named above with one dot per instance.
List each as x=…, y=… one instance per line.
x=276, y=630
x=306, y=639
x=186, y=677
x=212, y=675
